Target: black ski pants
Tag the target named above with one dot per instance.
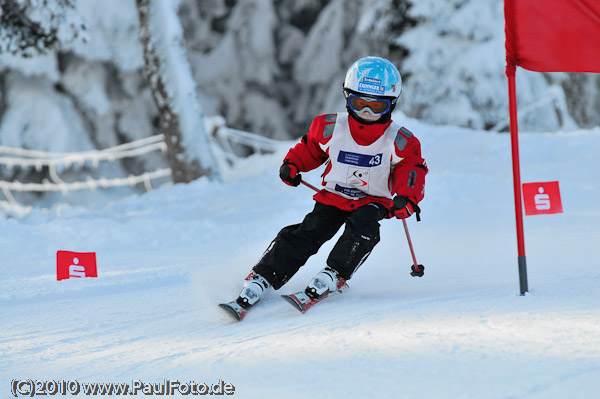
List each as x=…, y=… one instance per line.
x=296, y=243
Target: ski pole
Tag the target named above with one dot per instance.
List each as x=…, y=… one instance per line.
x=309, y=185
x=417, y=269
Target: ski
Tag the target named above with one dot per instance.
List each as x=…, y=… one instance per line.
x=301, y=301
x=234, y=309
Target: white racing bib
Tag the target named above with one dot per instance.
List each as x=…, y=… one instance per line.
x=357, y=170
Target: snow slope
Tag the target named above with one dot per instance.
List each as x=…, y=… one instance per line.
x=168, y=257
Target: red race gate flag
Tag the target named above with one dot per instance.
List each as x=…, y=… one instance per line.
x=553, y=35
x=542, y=198
x=75, y=265
x=545, y=36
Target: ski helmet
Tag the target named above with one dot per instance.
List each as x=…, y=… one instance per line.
x=375, y=80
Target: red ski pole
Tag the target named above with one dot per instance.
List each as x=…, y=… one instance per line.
x=309, y=185
x=417, y=270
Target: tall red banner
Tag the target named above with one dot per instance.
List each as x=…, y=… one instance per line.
x=545, y=36
x=553, y=35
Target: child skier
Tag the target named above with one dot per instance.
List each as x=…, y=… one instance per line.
x=374, y=170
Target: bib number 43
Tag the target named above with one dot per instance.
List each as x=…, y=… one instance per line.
x=375, y=161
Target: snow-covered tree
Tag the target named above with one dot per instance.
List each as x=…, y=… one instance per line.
x=582, y=92
x=455, y=70
x=72, y=71
x=174, y=91
x=78, y=94
x=32, y=27
x=271, y=66
x=451, y=55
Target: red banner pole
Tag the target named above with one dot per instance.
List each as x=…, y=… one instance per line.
x=514, y=139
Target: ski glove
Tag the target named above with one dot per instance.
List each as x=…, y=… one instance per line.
x=289, y=173
x=404, y=207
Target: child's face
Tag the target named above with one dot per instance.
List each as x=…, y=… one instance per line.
x=368, y=117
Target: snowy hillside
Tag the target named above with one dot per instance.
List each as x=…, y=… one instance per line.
x=165, y=259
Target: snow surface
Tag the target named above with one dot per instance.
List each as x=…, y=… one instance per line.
x=165, y=259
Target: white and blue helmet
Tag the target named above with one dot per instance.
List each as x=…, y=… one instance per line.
x=373, y=78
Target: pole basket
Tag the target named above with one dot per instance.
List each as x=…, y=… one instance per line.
x=417, y=272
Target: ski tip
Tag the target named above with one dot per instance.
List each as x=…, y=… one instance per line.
x=239, y=316
x=292, y=300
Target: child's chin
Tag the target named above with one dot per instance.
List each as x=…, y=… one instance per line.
x=368, y=117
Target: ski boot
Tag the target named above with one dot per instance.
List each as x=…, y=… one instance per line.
x=255, y=287
x=324, y=284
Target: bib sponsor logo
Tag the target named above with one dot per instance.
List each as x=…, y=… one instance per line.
x=350, y=192
x=357, y=177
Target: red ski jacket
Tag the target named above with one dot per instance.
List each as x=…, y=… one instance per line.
x=407, y=177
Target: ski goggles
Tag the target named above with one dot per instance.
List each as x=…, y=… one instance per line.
x=374, y=106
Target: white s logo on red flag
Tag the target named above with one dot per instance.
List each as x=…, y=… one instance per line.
x=75, y=265
x=542, y=198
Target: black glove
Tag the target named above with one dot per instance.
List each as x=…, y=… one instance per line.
x=289, y=173
x=404, y=207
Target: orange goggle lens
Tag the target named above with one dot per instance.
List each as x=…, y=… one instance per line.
x=378, y=106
